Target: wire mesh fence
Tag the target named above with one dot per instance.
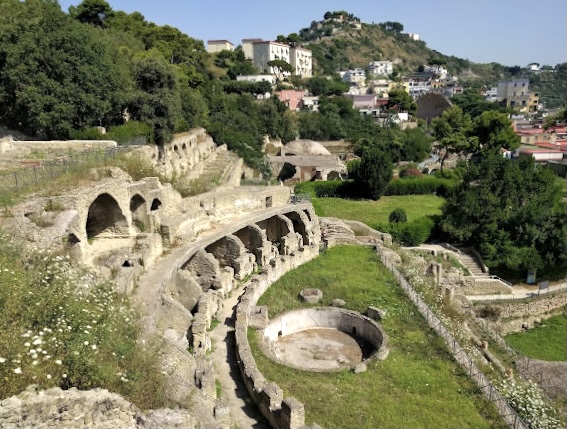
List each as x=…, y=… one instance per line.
x=507, y=413
x=38, y=172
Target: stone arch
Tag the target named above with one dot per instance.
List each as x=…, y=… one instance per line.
x=253, y=239
x=206, y=270
x=334, y=175
x=105, y=217
x=156, y=204
x=231, y=252
x=276, y=229
x=298, y=226
x=139, y=210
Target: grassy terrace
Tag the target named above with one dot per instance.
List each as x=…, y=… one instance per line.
x=417, y=386
x=545, y=342
x=375, y=213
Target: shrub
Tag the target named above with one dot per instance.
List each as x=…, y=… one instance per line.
x=420, y=186
x=412, y=233
x=410, y=171
x=398, y=215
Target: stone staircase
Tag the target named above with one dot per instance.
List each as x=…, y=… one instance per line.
x=472, y=264
x=216, y=169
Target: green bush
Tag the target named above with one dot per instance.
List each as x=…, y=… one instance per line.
x=420, y=186
x=412, y=233
x=398, y=215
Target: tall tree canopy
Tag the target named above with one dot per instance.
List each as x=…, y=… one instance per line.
x=512, y=212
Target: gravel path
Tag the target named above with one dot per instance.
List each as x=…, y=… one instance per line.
x=243, y=412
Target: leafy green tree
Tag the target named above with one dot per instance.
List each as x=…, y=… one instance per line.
x=318, y=85
x=374, y=172
x=416, y=144
x=157, y=100
x=452, y=133
x=494, y=131
x=56, y=74
x=474, y=104
x=512, y=212
x=401, y=100
x=94, y=12
x=280, y=67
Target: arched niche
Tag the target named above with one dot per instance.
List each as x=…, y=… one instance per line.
x=276, y=229
x=156, y=204
x=253, y=239
x=298, y=225
x=105, y=217
x=139, y=210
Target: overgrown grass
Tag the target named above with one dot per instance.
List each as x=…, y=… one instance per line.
x=375, y=213
x=418, y=385
x=59, y=326
x=545, y=342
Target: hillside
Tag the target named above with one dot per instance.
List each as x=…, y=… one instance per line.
x=341, y=44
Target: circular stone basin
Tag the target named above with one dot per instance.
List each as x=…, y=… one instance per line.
x=323, y=339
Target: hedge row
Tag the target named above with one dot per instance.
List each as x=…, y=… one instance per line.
x=330, y=189
x=420, y=186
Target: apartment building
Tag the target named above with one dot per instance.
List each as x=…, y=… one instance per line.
x=301, y=60
x=248, y=47
x=264, y=52
x=514, y=93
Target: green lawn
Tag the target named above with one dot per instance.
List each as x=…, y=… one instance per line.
x=417, y=386
x=545, y=342
x=375, y=213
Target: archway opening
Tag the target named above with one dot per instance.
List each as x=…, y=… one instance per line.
x=156, y=204
x=105, y=217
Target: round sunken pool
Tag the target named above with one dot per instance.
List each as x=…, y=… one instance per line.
x=323, y=339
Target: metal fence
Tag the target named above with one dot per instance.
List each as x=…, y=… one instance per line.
x=507, y=413
x=42, y=171
x=300, y=198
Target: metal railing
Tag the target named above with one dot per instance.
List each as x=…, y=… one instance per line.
x=300, y=198
x=507, y=413
x=44, y=171
x=453, y=248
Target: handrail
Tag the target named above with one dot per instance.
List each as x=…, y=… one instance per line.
x=453, y=248
x=492, y=276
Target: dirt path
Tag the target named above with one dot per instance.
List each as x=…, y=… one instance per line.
x=243, y=412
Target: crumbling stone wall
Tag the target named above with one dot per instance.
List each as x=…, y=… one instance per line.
x=96, y=409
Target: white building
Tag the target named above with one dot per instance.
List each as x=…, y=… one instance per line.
x=311, y=103
x=440, y=71
x=381, y=68
x=257, y=78
x=219, y=45
x=413, y=36
x=265, y=52
x=301, y=61
x=491, y=94
x=356, y=76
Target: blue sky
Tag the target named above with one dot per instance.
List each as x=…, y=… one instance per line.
x=510, y=32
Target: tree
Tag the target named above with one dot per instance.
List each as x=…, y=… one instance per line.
x=280, y=67
x=472, y=103
x=452, y=133
x=400, y=99
x=157, y=99
x=94, y=12
x=56, y=74
x=416, y=144
x=374, y=172
x=512, y=212
x=494, y=131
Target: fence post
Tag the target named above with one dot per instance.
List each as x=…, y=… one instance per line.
x=35, y=174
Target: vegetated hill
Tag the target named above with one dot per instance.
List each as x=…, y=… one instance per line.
x=551, y=85
x=342, y=45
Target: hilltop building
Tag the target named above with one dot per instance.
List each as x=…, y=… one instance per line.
x=300, y=59
x=248, y=47
x=214, y=46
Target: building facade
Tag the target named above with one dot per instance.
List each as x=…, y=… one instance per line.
x=514, y=93
x=264, y=52
x=381, y=68
x=301, y=60
x=248, y=47
x=214, y=46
